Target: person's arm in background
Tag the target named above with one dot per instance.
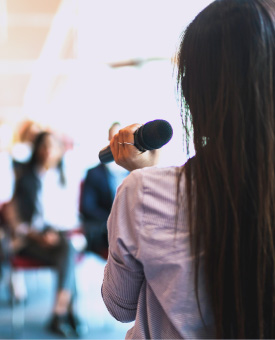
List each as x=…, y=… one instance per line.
x=19, y=213
x=25, y=197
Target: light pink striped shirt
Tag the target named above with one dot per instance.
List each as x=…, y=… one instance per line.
x=149, y=274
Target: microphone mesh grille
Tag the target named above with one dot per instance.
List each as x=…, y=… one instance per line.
x=156, y=133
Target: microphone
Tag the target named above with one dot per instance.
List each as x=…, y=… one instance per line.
x=150, y=136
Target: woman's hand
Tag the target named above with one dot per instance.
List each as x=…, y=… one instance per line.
x=127, y=155
x=49, y=238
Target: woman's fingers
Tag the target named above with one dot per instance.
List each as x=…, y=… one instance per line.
x=126, y=154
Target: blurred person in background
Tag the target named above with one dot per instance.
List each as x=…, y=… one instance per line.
x=97, y=195
x=24, y=136
x=39, y=218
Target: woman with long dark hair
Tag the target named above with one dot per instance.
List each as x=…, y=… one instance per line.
x=192, y=248
x=34, y=234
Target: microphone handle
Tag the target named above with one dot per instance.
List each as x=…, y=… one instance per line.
x=105, y=155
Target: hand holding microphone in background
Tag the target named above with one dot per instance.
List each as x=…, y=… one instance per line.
x=128, y=146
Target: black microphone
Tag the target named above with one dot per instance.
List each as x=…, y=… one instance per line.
x=150, y=136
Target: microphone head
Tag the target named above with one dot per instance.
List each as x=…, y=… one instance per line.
x=153, y=135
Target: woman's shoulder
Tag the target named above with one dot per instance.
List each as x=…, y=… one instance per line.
x=153, y=177
x=159, y=172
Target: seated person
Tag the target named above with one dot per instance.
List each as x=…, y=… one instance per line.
x=97, y=195
x=37, y=237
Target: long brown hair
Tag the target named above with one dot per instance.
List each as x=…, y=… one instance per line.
x=226, y=80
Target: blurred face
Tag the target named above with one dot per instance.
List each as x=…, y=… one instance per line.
x=49, y=152
x=33, y=131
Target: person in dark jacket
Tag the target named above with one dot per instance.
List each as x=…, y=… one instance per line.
x=96, y=199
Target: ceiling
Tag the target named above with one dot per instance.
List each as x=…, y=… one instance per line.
x=25, y=34
x=62, y=62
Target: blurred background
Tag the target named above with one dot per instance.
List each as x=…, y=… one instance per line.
x=77, y=66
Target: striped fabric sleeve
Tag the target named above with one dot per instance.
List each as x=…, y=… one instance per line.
x=123, y=274
x=120, y=290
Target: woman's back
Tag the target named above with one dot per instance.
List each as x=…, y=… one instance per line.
x=163, y=265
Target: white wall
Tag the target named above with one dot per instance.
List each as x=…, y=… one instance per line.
x=93, y=95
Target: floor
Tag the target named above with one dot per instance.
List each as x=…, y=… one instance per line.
x=97, y=322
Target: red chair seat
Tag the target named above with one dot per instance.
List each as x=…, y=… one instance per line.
x=22, y=262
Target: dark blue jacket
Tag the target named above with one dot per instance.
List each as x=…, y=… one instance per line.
x=96, y=197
